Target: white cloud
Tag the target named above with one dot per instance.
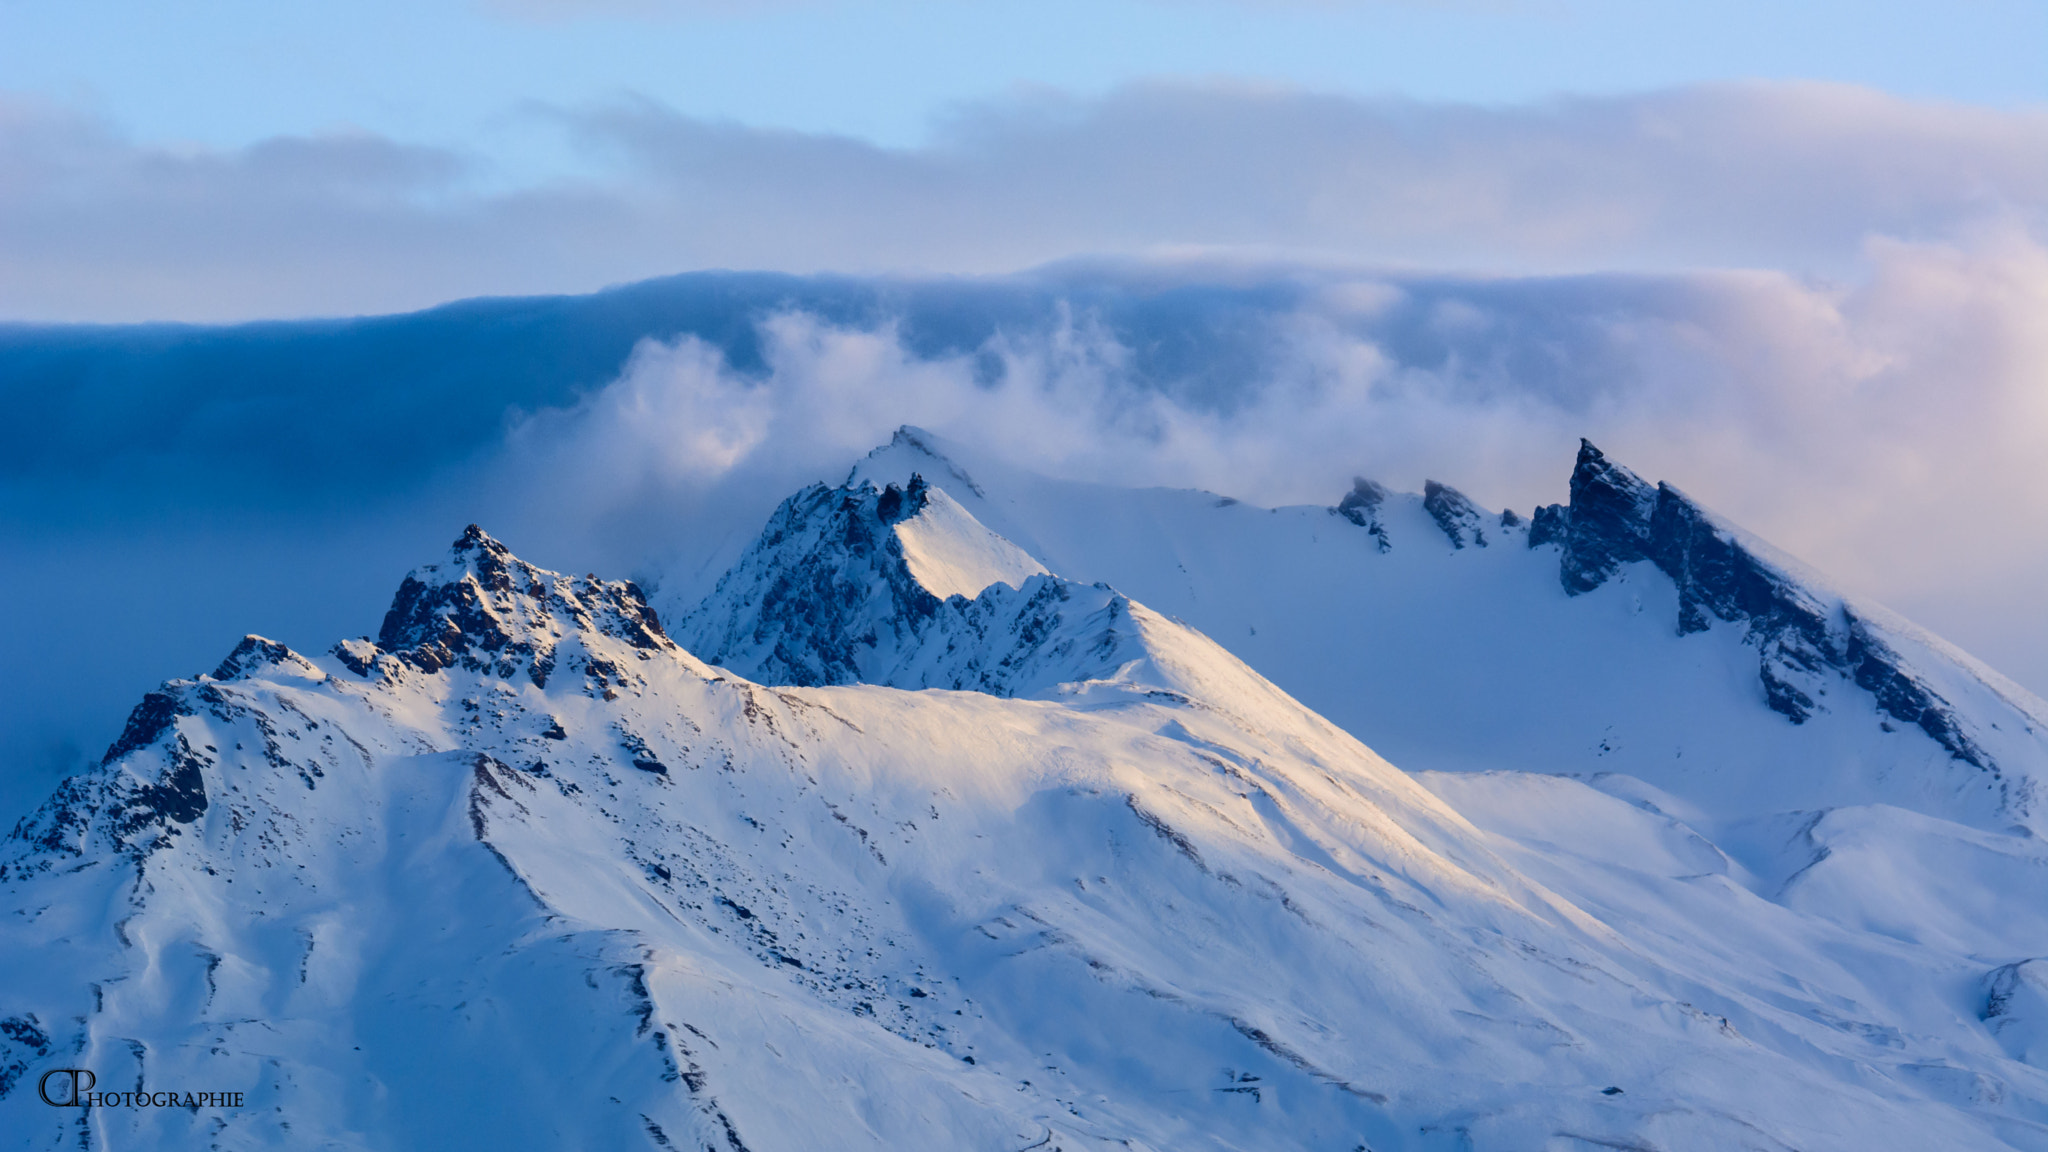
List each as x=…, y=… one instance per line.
x=1888, y=433
x=95, y=227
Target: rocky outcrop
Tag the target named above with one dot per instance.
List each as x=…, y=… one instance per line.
x=1804, y=642
x=1361, y=506
x=823, y=589
x=1459, y=518
x=827, y=596
x=2016, y=1010
x=485, y=610
x=1607, y=524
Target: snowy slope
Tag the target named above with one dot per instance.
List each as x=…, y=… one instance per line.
x=523, y=873
x=1835, y=760
x=950, y=553
x=1845, y=765
x=1630, y=632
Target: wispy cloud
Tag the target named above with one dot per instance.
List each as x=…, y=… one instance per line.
x=1832, y=420
x=1887, y=432
x=96, y=227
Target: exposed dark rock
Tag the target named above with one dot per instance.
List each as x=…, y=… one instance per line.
x=358, y=656
x=825, y=596
x=1551, y=524
x=917, y=439
x=453, y=612
x=112, y=807
x=485, y=610
x=649, y=624
x=1361, y=506
x=59, y=827
x=1362, y=503
x=1616, y=518
x=179, y=795
x=898, y=504
x=147, y=724
x=1610, y=521
x=252, y=653
x=2006, y=983
x=1717, y=576
x=816, y=608
x=1902, y=695
x=24, y=1030
x=1459, y=518
x=22, y=1042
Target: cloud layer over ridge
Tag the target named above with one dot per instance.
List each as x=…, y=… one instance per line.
x=1887, y=432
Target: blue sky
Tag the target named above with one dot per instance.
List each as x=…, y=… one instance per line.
x=225, y=73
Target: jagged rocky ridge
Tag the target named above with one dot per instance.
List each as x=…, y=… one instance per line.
x=492, y=612
x=483, y=611
x=828, y=595
x=1460, y=520
x=1804, y=643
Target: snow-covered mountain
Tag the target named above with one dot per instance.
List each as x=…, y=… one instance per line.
x=941, y=845
x=903, y=587
x=1629, y=632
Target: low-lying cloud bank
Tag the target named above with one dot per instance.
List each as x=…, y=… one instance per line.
x=1888, y=433
x=94, y=226
x=167, y=489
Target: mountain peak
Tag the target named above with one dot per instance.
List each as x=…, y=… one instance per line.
x=905, y=588
x=485, y=608
x=899, y=504
x=911, y=450
x=1611, y=509
x=1455, y=513
x=845, y=583
x=475, y=539
x=1361, y=506
x=911, y=435
x=259, y=652
x=1805, y=635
